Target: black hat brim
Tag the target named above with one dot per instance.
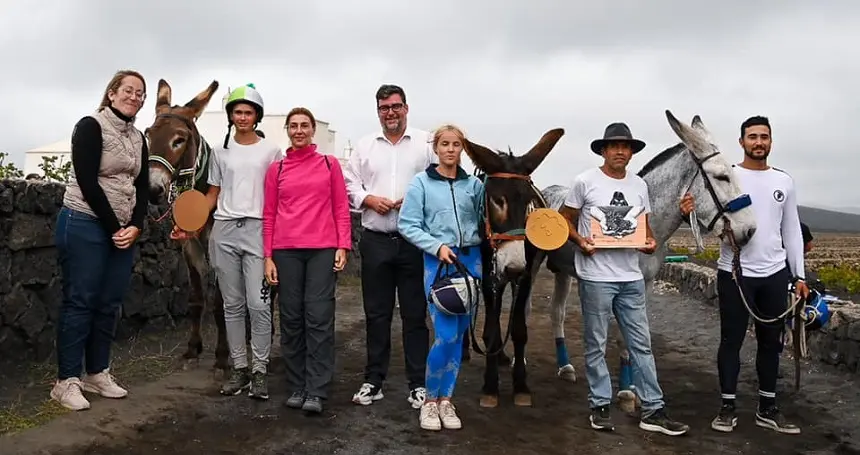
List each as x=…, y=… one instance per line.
x=635, y=144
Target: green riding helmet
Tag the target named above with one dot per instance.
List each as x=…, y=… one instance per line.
x=245, y=94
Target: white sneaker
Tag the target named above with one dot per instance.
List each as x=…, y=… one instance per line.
x=448, y=416
x=367, y=394
x=103, y=384
x=417, y=396
x=68, y=393
x=430, y=417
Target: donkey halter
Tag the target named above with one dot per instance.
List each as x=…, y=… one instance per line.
x=514, y=234
x=732, y=206
x=179, y=174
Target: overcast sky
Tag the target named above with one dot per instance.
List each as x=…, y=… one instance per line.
x=505, y=71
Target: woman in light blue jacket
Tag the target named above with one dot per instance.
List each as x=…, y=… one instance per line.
x=441, y=214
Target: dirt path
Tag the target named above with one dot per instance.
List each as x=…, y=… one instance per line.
x=184, y=414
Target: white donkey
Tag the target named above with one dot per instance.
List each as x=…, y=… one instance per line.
x=695, y=165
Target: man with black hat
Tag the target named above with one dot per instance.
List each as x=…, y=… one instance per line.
x=610, y=280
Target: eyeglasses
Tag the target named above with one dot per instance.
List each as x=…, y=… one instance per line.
x=129, y=91
x=396, y=107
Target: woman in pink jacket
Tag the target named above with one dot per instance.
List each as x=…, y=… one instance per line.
x=307, y=233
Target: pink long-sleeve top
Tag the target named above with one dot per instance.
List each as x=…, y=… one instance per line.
x=306, y=206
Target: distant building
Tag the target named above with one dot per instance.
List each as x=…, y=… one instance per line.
x=213, y=127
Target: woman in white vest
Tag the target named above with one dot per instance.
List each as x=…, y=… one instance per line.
x=101, y=218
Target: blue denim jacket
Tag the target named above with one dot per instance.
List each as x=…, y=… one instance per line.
x=439, y=210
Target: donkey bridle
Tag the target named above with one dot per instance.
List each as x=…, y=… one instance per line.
x=732, y=206
x=494, y=239
x=513, y=234
x=177, y=173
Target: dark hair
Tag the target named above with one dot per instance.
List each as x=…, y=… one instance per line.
x=753, y=121
x=386, y=90
x=301, y=111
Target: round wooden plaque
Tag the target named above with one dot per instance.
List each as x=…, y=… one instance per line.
x=190, y=211
x=547, y=229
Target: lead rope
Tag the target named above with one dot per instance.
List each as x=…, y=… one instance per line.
x=736, y=273
x=800, y=319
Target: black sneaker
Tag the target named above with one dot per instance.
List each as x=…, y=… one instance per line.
x=773, y=418
x=659, y=422
x=367, y=394
x=239, y=381
x=600, y=419
x=296, y=400
x=416, y=397
x=259, y=386
x=726, y=420
x=313, y=404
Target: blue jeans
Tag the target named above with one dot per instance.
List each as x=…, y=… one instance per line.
x=95, y=276
x=627, y=301
x=443, y=360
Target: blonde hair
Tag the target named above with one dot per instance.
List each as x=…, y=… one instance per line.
x=437, y=135
x=115, y=82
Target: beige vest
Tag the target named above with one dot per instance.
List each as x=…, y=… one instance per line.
x=122, y=147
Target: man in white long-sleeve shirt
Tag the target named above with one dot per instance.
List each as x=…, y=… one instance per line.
x=764, y=278
x=377, y=176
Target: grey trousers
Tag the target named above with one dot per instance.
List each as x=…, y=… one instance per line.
x=306, y=301
x=236, y=249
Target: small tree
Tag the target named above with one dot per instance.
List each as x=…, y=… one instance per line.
x=53, y=172
x=9, y=170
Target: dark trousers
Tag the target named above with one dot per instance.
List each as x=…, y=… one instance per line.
x=767, y=297
x=306, y=301
x=96, y=276
x=389, y=265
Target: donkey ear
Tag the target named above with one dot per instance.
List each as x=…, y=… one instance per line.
x=162, y=101
x=483, y=158
x=699, y=125
x=531, y=160
x=199, y=103
x=691, y=137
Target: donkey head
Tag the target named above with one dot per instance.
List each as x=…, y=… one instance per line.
x=510, y=195
x=718, y=195
x=173, y=137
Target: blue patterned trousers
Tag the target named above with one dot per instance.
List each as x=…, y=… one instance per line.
x=443, y=360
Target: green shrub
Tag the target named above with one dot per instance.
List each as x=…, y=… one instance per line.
x=843, y=275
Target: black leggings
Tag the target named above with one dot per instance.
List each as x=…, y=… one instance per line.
x=767, y=297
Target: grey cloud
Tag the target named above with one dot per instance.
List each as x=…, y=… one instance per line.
x=505, y=72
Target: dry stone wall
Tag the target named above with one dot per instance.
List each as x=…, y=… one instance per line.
x=838, y=343
x=30, y=287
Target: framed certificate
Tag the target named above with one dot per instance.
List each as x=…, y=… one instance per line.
x=618, y=226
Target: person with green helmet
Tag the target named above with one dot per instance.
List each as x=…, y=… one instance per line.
x=236, y=173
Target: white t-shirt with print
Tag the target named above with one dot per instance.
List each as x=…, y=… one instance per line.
x=240, y=171
x=593, y=188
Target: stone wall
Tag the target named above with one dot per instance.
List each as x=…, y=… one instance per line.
x=691, y=279
x=30, y=287
x=838, y=343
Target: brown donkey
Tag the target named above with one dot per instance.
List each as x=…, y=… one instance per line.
x=507, y=256
x=179, y=159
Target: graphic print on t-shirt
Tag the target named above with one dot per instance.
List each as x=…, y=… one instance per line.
x=618, y=219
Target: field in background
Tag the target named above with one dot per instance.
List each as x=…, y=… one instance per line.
x=834, y=259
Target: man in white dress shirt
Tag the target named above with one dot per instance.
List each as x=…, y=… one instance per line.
x=377, y=176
